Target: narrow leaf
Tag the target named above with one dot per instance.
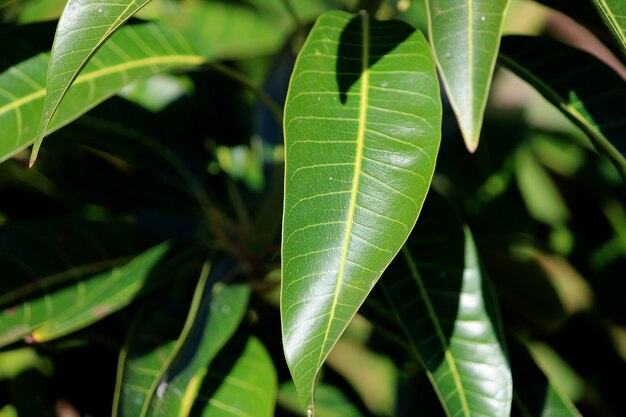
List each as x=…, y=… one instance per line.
x=45, y=297
x=592, y=96
x=437, y=291
x=241, y=381
x=83, y=28
x=613, y=13
x=362, y=126
x=465, y=35
x=133, y=53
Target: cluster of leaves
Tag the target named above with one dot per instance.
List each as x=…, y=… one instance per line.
x=141, y=251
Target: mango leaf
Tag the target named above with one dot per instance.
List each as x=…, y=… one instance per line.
x=83, y=28
x=330, y=401
x=362, y=127
x=465, y=36
x=241, y=381
x=132, y=53
x=162, y=365
x=437, y=290
x=59, y=277
x=534, y=394
x=593, y=97
x=613, y=13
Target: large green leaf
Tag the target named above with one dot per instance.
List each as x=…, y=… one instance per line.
x=465, y=35
x=165, y=358
x=330, y=401
x=241, y=381
x=58, y=276
x=362, y=127
x=614, y=14
x=437, y=291
x=587, y=91
x=132, y=53
x=83, y=28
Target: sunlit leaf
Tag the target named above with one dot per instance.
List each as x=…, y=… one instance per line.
x=613, y=13
x=362, y=131
x=437, y=290
x=59, y=277
x=83, y=28
x=133, y=53
x=465, y=35
x=592, y=96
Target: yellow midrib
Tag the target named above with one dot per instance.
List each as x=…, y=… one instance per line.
x=356, y=178
x=611, y=18
x=169, y=59
x=442, y=339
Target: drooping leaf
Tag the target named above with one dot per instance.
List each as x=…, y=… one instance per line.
x=83, y=27
x=330, y=401
x=60, y=276
x=241, y=381
x=437, y=291
x=132, y=53
x=534, y=394
x=583, y=88
x=613, y=13
x=465, y=35
x=362, y=131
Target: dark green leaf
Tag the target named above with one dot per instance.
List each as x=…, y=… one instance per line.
x=438, y=292
x=582, y=87
x=362, y=128
x=465, y=36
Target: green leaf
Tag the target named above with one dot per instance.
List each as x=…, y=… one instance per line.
x=330, y=401
x=83, y=28
x=57, y=276
x=438, y=293
x=133, y=53
x=241, y=381
x=534, y=394
x=362, y=127
x=592, y=96
x=613, y=13
x=465, y=36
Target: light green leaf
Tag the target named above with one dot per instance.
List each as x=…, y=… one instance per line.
x=535, y=395
x=330, y=401
x=613, y=13
x=83, y=28
x=57, y=276
x=132, y=53
x=592, y=96
x=465, y=35
x=177, y=361
x=241, y=381
x=362, y=127
x=438, y=293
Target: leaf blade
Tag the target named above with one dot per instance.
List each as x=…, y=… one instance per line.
x=466, y=58
x=613, y=12
x=337, y=174
x=82, y=29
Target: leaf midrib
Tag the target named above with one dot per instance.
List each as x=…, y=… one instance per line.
x=610, y=17
x=364, y=91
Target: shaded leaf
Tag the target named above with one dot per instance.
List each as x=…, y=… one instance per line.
x=362, y=128
x=241, y=381
x=592, y=96
x=57, y=276
x=330, y=401
x=437, y=290
x=613, y=13
x=132, y=53
x=465, y=35
x=83, y=27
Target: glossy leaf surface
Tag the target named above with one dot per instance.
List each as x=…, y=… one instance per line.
x=79, y=274
x=83, y=27
x=133, y=53
x=593, y=96
x=465, y=35
x=613, y=13
x=164, y=362
x=362, y=127
x=330, y=401
x=437, y=291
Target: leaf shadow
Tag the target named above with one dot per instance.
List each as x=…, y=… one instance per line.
x=381, y=38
